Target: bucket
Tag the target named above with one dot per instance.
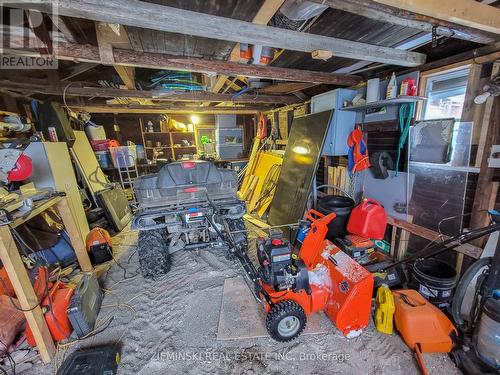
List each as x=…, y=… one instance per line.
x=342, y=207
x=435, y=280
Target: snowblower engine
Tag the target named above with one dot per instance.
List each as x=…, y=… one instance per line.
x=279, y=267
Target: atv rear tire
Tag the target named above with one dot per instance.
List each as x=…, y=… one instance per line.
x=154, y=258
x=286, y=321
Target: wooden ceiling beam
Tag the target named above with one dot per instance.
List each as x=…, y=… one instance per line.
x=263, y=16
x=384, y=13
x=76, y=70
x=468, y=13
x=285, y=88
x=61, y=25
x=164, y=110
x=107, y=39
x=37, y=24
x=163, y=18
x=172, y=96
x=125, y=57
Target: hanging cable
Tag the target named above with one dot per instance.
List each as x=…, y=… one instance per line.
x=406, y=111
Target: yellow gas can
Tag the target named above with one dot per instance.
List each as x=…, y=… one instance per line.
x=384, y=310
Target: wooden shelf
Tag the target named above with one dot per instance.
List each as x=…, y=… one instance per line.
x=383, y=103
x=171, y=135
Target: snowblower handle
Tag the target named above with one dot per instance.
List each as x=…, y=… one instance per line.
x=313, y=215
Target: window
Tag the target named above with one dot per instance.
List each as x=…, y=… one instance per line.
x=445, y=95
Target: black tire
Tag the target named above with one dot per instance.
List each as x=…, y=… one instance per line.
x=292, y=318
x=152, y=249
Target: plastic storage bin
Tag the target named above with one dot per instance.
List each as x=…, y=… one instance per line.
x=104, y=159
x=123, y=156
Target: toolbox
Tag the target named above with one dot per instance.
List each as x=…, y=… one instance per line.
x=100, y=360
x=85, y=305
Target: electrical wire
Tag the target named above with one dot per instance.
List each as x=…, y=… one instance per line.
x=9, y=357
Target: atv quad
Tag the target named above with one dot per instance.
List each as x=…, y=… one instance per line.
x=186, y=205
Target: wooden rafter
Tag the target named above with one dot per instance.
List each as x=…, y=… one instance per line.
x=61, y=24
x=108, y=39
x=123, y=57
x=171, y=96
x=263, y=16
x=165, y=109
x=76, y=70
x=384, y=13
x=164, y=18
x=468, y=13
x=37, y=24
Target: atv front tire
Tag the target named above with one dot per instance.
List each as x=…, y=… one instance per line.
x=152, y=249
x=286, y=321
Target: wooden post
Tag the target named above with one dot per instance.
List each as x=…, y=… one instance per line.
x=485, y=188
x=74, y=235
x=9, y=254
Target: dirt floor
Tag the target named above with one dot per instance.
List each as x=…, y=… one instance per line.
x=170, y=326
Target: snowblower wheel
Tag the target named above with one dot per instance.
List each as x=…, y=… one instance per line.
x=285, y=321
x=152, y=249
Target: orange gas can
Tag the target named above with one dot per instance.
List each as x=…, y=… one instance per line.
x=56, y=316
x=368, y=219
x=420, y=322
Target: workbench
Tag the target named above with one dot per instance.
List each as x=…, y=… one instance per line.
x=12, y=261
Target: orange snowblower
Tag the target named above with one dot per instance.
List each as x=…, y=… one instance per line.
x=319, y=277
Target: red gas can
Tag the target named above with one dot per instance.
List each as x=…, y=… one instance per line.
x=368, y=219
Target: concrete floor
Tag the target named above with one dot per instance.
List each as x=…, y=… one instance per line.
x=170, y=327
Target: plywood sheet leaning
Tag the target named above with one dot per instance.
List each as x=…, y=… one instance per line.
x=267, y=168
x=87, y=163
x=300, y=163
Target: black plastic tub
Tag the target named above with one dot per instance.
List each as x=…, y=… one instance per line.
x=435, y=280
x=342, y=206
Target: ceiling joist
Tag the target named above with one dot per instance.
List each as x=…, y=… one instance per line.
x=169, y=19
x=263, y=16
x=107, y=39
x=170, y=96
x=395, y=16
x=124, y=57
x=161, y=110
